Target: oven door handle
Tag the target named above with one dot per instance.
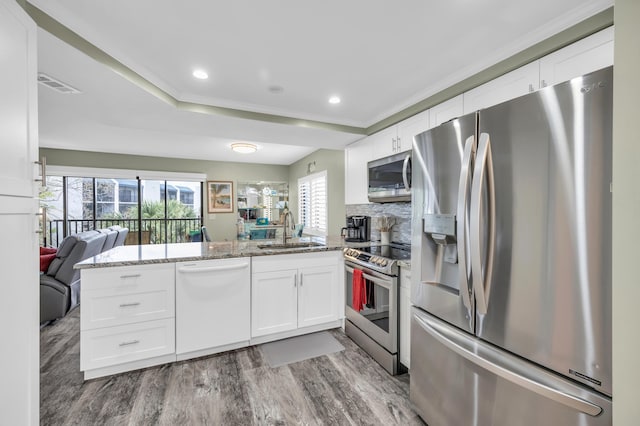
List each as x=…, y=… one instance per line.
x=383, y=282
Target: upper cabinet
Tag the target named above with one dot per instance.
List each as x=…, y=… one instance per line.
x=19, y=106
x=409, y=128
x=356, y=157
x=398, y=138
x=582, y=57
x=511, y=85
x=445, y=111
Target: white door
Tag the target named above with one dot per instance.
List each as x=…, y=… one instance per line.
x=18, y=107
x=318, y=295
x=411, y=127
x=516, y=83
x=582, y=57
x=20, y=311
x=384, y=143
x=274, y=302
x=445, y=111
x=357, y=155
x=212, y=303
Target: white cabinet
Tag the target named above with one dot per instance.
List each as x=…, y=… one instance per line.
x=384, y=142
x=274, y=301
x=213, y=299
x=18, y=108
x=317, y=302
x=398, y=138
x=582, y=57
x=509, y=86
x=295, y=293
x=405, y=316
x=19, y=401
x=446, y=111
x=127, y=320
x=357, y=155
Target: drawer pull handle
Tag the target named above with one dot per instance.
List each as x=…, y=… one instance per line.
x=129, y=343
x=130, y=276
x=127, y=305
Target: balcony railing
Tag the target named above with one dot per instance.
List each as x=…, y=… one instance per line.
x=151, y=231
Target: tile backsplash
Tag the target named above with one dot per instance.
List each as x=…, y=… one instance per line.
x=400, y=232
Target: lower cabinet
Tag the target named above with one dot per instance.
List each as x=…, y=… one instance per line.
x=296, y=292
x=405, y=316
x=127, y=318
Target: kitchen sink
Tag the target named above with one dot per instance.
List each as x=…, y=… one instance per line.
x=290, y=245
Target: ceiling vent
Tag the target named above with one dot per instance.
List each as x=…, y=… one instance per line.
x=56, y=85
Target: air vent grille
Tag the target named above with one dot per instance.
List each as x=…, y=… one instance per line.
x=55, y=84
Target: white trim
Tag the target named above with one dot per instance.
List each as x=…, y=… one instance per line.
x=124, y=173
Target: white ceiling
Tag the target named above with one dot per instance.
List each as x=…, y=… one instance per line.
x=378, y=56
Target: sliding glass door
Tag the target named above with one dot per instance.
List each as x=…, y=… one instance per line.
x=154, y=211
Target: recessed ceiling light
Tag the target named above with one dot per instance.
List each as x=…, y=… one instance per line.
x=334, y=100
x=244, y=148
x=200, y=74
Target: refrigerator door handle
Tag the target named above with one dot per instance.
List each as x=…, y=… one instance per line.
x=405, y=167
x=483, y=166
x=462, y=222
x=503, y=372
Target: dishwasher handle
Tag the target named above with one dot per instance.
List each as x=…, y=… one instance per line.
x=187, y=270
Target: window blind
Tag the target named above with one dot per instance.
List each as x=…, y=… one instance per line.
x=312, y=203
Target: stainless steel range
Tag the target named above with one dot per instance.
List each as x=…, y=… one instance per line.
x=372, y=295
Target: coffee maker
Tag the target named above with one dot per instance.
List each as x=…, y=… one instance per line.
x=358, y=229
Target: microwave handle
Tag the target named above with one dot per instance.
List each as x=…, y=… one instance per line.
x=405, y=166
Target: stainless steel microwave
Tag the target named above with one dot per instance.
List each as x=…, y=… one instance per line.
x=390, y=178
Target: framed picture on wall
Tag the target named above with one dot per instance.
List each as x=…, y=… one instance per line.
x=220, y=196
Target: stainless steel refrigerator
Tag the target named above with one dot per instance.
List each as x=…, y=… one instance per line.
x=511, y=262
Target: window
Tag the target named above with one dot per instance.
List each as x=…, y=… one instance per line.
x=312, y=203
x=78, y=201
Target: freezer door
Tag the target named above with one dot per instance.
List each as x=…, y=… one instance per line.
x=441, y=176
x=457, y=379
x=541, y=233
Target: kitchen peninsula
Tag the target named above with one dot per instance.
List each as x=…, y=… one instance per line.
x=153, y=304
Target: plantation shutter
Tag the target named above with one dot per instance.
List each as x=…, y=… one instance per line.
x=312, y=203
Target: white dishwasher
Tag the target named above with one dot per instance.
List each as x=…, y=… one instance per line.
x=213, y=306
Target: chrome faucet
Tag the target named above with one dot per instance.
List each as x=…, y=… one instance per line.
x=288, y=225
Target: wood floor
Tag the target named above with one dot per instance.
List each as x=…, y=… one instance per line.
x=233, y=388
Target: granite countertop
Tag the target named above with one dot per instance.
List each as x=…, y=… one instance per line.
x=184, y=252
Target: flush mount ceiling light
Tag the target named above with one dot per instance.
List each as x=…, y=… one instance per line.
x=200, y=74
x=244, y=148
x=334, y=100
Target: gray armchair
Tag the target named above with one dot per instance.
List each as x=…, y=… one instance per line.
x=60, y=285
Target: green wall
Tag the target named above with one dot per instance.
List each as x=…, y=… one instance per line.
x=626, y=211
x=221, y=226
x=333, y=162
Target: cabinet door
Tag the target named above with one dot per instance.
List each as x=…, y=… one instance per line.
x=384, y=143
x=357, y=155
x=318, y=295
x=274, y=302
x=582, y=57
x=409, y=128
x=445, y=111
x=18, y=107
x=509, y=86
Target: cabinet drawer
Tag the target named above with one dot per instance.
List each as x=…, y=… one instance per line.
x=119, y=306
x=116, y=345
x=128, y=278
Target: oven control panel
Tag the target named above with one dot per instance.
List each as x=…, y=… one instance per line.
x=378, y=263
